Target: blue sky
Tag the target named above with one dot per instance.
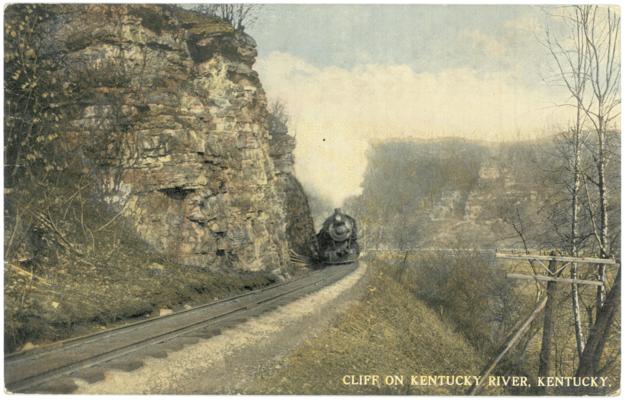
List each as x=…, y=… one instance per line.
x=427, y=38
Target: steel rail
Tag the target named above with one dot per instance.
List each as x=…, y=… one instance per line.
x=25, y=371
x=91, y=337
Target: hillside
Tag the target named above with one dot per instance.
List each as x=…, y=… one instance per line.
x=456, y=193
x=143, y=170
x=388, y=331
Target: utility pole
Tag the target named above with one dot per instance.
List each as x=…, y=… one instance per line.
x=545, y=357
x=588, y=365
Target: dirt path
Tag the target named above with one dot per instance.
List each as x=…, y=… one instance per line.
x=227, y=363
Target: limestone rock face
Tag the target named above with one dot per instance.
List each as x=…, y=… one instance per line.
x=300, y=228
x=191, y=166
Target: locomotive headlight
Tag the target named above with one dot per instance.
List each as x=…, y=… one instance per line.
x=340, y=231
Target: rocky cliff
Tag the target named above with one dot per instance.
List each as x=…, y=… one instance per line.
x=457, y=193
x=183, y=117
x=300, y=228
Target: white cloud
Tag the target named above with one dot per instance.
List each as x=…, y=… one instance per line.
x=491, y=46
x=526, y=25
x=335, y=112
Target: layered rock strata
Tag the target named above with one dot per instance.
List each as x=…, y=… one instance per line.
x=191, y=164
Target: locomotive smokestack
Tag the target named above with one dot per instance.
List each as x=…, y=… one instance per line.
x=338, y=214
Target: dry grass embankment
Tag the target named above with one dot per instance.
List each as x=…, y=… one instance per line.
x=52, y=293
x=389, y=331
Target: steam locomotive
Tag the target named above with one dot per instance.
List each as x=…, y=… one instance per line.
x=336, y=242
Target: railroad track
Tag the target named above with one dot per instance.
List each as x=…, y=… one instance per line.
x=30, y=371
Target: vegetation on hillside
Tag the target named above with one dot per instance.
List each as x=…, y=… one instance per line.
x=72, y=260
x=460, y=193
x=470, y=196
x=559, y=196
x=406, y=182
x=471, y=291
x=428, y=313
x=388, y=331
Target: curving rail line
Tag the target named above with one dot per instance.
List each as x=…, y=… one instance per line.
x=27, y=371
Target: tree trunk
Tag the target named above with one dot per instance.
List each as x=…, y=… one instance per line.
x=580, y=340
x=604, y=217
x=590, y=361
x=546, y=362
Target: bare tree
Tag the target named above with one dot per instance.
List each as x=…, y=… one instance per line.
x=573, y=71
x=587, y=60
x=601, y=30
x=590, y=361
x=278, y=110
x=238, y=15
